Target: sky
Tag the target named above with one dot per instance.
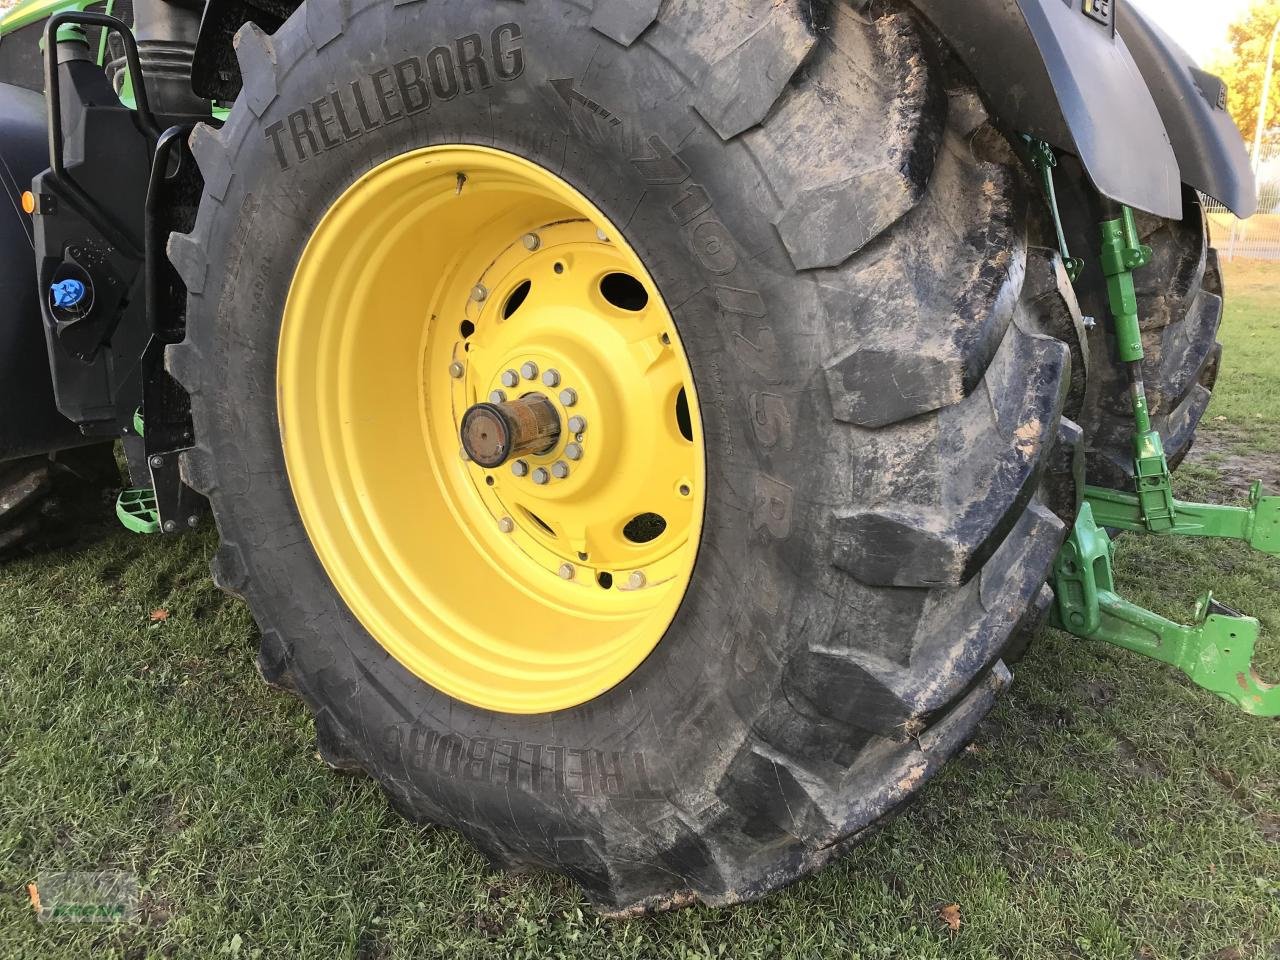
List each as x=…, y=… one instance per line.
x=1199, y=27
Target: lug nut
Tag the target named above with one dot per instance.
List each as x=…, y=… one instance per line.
x=541, y=477
x=577, y=424
x=636, y=580
x=497, y=397
x=506, y=525
x=171, y=526
x=531, y=241
x=479, y=293
x=566, y=571
x=529, y=371
x=510, y=378
x=157, y=461
x=568, y=396
x=573, y=451
x=551, y=378
x=456, y=370
x=520, y=468
x=559, y=469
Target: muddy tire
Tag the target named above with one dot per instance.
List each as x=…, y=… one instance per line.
x=47, y=501
x=882, y=359
x=1180, y=311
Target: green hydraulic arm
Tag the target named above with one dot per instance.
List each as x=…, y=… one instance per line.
x=1216, y=650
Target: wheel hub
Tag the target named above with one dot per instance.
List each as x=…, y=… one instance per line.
x=492, y=446
x=581, y=405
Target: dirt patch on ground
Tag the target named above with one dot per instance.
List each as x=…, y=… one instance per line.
x=1215, y=449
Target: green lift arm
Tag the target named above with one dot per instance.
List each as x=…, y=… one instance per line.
x=1216, y=651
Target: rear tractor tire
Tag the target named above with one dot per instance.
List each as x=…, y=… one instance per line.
x=773, y=378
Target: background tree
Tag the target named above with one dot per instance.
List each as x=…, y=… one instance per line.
x=1243, y=68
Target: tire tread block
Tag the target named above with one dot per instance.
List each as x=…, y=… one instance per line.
x=738, y=88
x=894, y=127
x=624, y=20
x=916, y=332
x=993, y=442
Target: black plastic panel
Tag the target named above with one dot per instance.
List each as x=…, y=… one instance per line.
x=29, y=419
x=1050, y=70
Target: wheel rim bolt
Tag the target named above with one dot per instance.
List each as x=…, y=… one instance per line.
x=540, y=476
x=506, y=525
x=573, y=451
x=479, y=293
x=520, y=468
x=497, y=396
x=531, y=241
x=551, y=378
x=577, y=424
x=566, y=571
x=456, y=370
x=510, y=378
x=601, y=235
x=529, y=371
x=560, y=470
x=568, y=396
x=636, y=580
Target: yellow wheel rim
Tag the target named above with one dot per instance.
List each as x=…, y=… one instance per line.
x=437, y=280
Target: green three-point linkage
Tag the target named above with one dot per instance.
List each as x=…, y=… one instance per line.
x=1216, y=652
x=1044, y=160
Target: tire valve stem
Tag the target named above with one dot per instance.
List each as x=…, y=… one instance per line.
x=462, y=182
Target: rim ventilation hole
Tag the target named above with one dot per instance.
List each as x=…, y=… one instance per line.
x=545, y=527
x=645, y=528
x=517, y=298
x=684, y=419
x=466, y=328
x=559, y=268
x=605, y=580
x=625, y=292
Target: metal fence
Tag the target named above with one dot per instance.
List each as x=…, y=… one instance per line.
x=1257, y=238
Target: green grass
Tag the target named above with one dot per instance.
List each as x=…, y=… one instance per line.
x=1107, y=809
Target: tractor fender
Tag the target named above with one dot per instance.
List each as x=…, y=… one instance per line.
x=1059, y=70
x=29, y=419
x=1193, y=104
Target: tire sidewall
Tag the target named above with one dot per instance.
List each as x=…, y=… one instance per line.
x=702, y=221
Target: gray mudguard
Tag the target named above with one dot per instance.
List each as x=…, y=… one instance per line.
x=1058, y=70
x=1193, y=105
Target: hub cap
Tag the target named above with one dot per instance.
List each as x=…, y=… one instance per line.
x=490, y=429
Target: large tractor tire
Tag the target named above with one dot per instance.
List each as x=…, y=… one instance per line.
x=776, y=257
x=1180, y=311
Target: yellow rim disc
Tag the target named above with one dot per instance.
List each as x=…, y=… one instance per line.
x=458, y=275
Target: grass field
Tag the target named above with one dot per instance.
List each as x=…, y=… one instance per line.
x=1107, y=808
